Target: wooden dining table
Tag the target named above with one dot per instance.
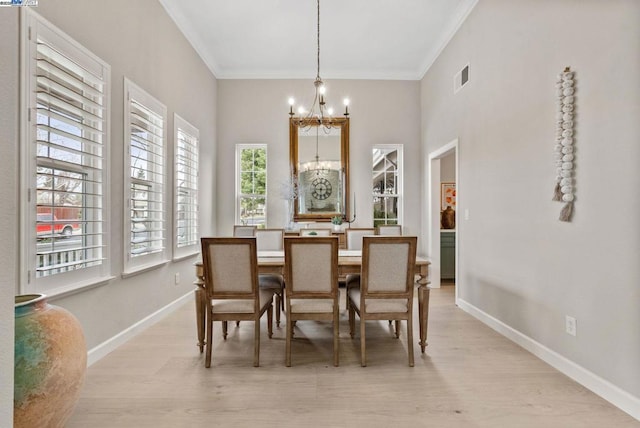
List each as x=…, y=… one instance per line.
x=349, y=262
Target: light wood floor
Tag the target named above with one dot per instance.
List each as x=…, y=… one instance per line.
x=470, y=376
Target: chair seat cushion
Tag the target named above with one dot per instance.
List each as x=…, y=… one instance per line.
x=241, y=306
x=271, y=281
x=299, y=306
x=378, y=306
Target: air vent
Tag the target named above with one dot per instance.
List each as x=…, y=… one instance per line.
x=460, y=79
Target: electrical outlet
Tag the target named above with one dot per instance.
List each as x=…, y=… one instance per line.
x=177, y=278
x=571, y=325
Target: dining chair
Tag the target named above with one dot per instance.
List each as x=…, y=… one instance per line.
x=386, y=287
x=311, y=275
x=389, y=230
x=240, y=230
x=354, y=237
x=231, y=286
x=272, y=240
x=315, y=232
x=354, y=242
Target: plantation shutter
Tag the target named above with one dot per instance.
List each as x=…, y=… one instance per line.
x=147, y=176
x=69, y=144
x=186, y=182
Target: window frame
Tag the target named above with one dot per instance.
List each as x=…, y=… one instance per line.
x=238, y=194
x=144, y=262
x=33, y=28
x=398, y=195
x=181, y=125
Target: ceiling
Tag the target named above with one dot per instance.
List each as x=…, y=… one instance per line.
x=359, y=39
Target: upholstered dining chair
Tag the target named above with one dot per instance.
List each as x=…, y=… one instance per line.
x=354, y=242
x=389, y=230
x=354, y=237
x=231, y=286
x=311, y=274
x=272, y=240
x=240, y=230
x=386, y=287
x=315, y=232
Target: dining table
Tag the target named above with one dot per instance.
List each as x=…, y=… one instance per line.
x=349, y=262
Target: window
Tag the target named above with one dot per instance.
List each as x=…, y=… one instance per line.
x=186, y=138
x=387, y=184
x=65, y=162
x=251, y=185
x=145, y=212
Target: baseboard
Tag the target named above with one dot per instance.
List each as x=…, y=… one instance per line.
x=97, y=353
x=605, y=389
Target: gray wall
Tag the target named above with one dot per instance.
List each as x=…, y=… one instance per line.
x=9, y=149
x=256, y=111
x=518, y=263
x=140, y=42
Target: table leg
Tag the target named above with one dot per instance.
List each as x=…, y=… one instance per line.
x=423, y=306
x=201, y=303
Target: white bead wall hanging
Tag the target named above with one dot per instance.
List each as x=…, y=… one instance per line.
x=564, y=149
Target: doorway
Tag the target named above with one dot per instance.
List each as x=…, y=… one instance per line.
x=443, y=194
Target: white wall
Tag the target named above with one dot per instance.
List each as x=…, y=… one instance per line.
x=518, y=263
x=139, y=41
x=9, y=149
x=448, y=169
x=382, y=112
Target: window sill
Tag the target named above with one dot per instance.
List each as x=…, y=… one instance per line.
x=185, y=256
x=143, y=268
x=80, y=287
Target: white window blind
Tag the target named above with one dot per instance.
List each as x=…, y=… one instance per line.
x=146, y=214
x=67, y=96
x=186, y=187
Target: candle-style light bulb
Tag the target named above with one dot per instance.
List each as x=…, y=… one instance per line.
x=291, y=102
x=346, y=106
x=330, y=111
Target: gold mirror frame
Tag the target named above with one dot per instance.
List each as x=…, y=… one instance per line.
x=343, y=124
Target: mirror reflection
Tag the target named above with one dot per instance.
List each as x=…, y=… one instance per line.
x=319, y=161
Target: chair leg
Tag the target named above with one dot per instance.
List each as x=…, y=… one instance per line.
x=270, y=321
x=209, y=344
x=336, y=335
x=397, y=329
x=410, y=341
x=278, y=303
x=287, y=352
x=224, y=329
x=237, y=323
x=363, y=344
x=256, y=343
x=352, y=321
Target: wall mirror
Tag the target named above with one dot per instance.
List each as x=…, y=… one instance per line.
x=319, y=155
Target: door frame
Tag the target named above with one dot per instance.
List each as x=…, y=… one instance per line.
x=433, y=211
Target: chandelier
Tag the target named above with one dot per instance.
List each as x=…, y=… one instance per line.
x=318, y=113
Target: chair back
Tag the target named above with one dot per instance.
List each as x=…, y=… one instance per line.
x=230, y=268
x=389, y=230
x=315, y=232
x=243, y=230
x=388, y=264
x=270, y=239
x=311, y=267
x=354, y=237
